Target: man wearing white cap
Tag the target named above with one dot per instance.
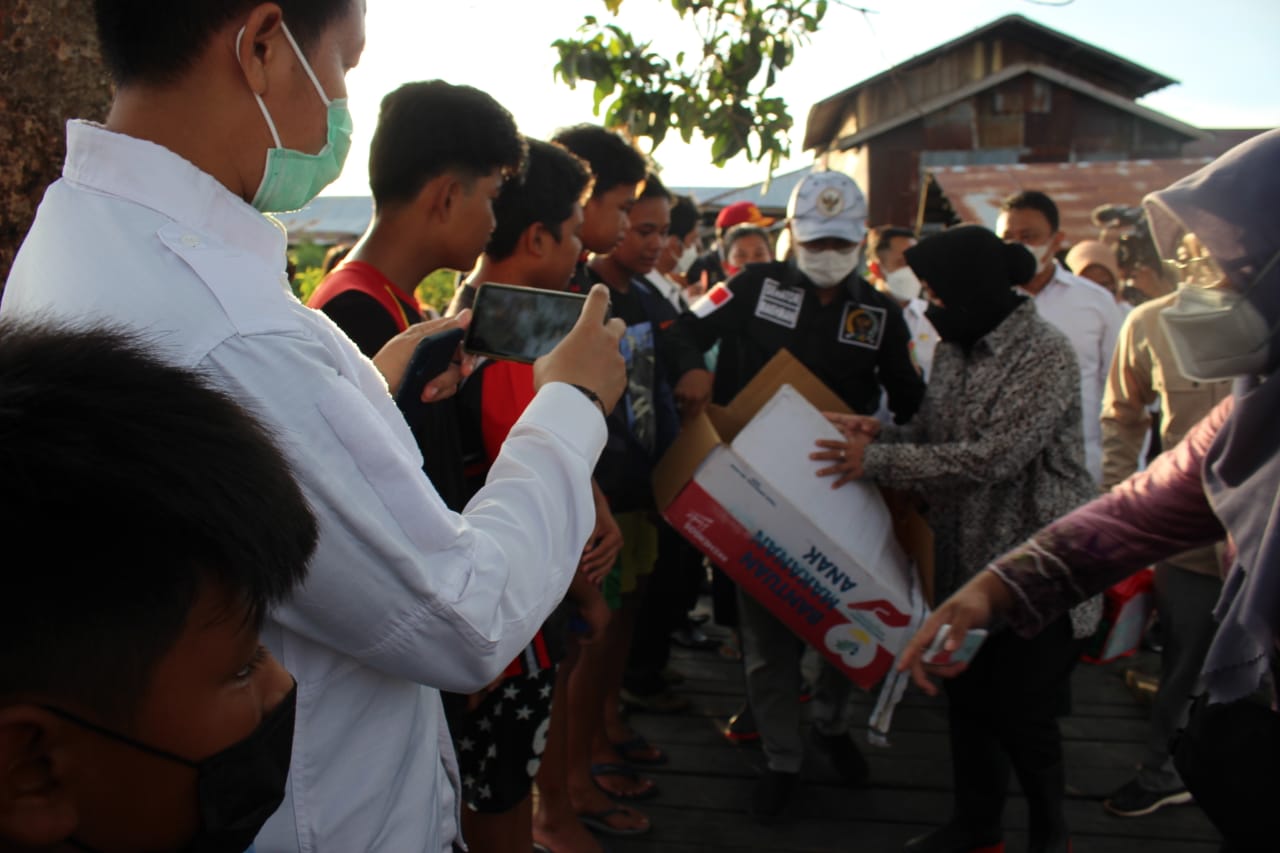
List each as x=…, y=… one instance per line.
x=855, y=340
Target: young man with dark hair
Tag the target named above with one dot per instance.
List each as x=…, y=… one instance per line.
x=132, y=680
x=668, y=276
x=536, y=244
x=440, y=154
x=1088, y=316
x=618, y=172
x=404, y=597
x=639, y=431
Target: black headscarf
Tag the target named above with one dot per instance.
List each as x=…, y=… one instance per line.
x=973, y=272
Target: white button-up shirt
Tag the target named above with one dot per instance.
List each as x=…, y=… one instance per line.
x=924, y=337
x=404, y=597
x=1090, y=319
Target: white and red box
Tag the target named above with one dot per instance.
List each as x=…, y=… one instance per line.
x=829, y=563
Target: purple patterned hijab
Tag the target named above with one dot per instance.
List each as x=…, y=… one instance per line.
x=1233, y=206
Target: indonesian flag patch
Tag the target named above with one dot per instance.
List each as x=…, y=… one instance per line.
x=712, y=300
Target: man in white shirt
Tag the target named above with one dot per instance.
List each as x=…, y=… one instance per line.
x=1082, y=311
x=151, y=227
x=887, y=269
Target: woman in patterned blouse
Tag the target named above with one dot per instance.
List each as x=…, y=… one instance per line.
x=995, y=451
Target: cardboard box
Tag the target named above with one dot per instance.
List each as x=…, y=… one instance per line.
x=739, y=485
x=1126, y=612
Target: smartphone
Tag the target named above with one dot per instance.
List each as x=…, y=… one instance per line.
x=973, y=640
x=520, y=323
x=430, y=358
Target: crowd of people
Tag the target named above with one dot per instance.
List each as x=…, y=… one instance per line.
x=304, y=611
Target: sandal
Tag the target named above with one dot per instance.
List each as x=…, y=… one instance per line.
x=599, y=821
x=638, y=750
x=647, y=790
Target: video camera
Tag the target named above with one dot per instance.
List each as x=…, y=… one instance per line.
x=1134, y=247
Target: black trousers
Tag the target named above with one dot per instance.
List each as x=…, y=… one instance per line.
x=662, y=610
x=1003, y=714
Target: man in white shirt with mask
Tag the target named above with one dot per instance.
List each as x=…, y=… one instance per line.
x=1082, y=311
x=887, y=269
x=225, y=109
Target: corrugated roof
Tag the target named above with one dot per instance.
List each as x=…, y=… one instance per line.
x=331, y=218
x=334, y=219
x=772, y=200
x=1013, y=71
x=823, y=115
x=976, y=192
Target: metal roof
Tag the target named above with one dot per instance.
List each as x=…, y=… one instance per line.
x=1013, y=71
x=329, y=219
x=336, y=219
x=976, y=192
x=824, y=115
x=773, y=199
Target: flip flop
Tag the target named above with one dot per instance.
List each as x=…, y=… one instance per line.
x=638, y=750
x=626, y=771
x=599, y=822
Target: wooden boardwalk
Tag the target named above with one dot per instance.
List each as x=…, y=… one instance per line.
x=706, y=785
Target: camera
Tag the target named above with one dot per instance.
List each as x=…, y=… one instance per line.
x=1134, y=246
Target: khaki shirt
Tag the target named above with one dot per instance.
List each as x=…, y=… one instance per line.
x=1143, y=371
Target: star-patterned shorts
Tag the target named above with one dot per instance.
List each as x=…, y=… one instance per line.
x=500, y=743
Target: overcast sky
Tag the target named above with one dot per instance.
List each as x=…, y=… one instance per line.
x=1223, y=53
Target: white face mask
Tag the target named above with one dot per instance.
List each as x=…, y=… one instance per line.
x=829, y=268
x=902, y=284
x=1216, y=334
x=686, y=260
x=1042, y=253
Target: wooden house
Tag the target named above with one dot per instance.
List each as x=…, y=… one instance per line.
x=1013, y=91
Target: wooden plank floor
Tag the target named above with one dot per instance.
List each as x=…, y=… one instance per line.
x=708, y=781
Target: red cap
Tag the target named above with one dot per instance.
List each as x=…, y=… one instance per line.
x=739, y=213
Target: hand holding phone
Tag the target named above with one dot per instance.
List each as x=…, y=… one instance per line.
x=520, y=323
x=965, y=652
x=590, y=355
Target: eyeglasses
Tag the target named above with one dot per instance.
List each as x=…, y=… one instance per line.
x=1194, y=266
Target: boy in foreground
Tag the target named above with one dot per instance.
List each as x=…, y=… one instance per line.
x=138, y=710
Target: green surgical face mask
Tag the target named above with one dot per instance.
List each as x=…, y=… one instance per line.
x=291, y=179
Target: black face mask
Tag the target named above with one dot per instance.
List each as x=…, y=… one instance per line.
x=237, y=788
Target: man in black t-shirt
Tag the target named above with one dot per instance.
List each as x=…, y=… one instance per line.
x=856, y=341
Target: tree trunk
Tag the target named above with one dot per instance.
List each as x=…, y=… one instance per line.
x=50, y=71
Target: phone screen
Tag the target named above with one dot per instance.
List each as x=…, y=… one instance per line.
x=520, y=323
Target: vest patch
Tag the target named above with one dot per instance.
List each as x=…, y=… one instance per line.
x=779, y=304
x=862, y=325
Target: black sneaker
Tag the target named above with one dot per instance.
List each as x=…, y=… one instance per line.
x=845, y=756
x=772, y=793
x=1133, y=800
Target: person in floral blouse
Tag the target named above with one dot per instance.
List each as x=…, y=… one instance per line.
x=995, y=452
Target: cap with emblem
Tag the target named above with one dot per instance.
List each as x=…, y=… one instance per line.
x=741, y=213
x=827, y=204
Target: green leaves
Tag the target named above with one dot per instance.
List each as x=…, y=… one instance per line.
x=723, y=95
